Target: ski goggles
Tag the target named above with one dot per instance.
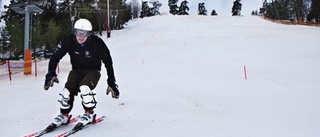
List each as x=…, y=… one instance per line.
x=81, y=33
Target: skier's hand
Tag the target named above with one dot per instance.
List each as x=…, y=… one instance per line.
x=51, y=77
x=114, y=92
x=113, y=89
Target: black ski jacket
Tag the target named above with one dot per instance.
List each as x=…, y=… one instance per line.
x=87, y=56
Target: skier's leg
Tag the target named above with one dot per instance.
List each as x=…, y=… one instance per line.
x=88, y=100
x=88, y=83
x=65, y=101
x=71, y=89
x=88, y=103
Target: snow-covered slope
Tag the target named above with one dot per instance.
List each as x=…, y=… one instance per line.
x=184, y=76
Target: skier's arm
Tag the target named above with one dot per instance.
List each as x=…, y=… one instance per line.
x=109, y=66
x=107, y=60
x=51, y=76
x=60, y=51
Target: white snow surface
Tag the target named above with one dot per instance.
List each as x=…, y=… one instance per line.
x=183, y=76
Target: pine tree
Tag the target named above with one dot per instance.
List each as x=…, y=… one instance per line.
x=183, y=8
x=286, y=9
x=156, y=6
x=202, y=9
x=214, y=13
x=236, y=8
x=15, y=32
x=315, y=11
x=4, y=43
x=173, y=7
x=254, y=12
x=50, y=37
x=262, y=10
x=145, y=10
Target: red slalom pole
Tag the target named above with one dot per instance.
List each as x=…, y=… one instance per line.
x=9, y=71
x=245, y=72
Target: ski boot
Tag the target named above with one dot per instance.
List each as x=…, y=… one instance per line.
x=58, y=121
x=85, y=119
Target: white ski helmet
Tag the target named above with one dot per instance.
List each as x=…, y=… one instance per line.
x=83, y=24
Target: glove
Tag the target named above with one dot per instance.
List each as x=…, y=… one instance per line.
x=113, y=89
x=51, y=77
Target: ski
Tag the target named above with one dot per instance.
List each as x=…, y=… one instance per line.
x=79, y=127
x=51, y=128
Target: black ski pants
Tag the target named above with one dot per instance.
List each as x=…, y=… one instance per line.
x=78, y=78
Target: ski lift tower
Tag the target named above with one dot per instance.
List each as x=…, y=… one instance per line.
x=27, y=9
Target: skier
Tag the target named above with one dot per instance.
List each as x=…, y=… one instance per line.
x=86, y=52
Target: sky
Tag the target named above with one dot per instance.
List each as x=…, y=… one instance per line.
x=178, y=79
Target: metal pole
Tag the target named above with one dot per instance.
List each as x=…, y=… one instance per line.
x=27, y=52
x=108, y=21
x=26, y=30
x=108, y=13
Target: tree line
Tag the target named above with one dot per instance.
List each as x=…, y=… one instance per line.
x=182, y=9
x=308, y=10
